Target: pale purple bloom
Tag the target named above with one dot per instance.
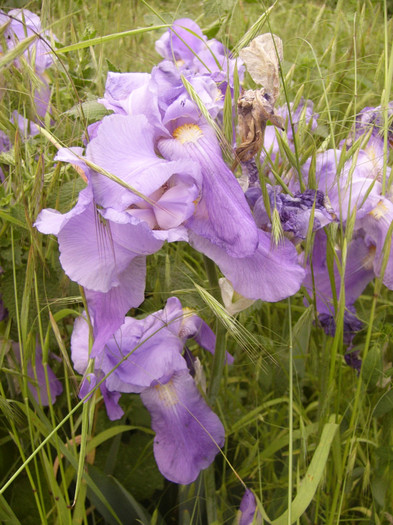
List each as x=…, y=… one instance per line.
x=23, y=24
x=126, y=146
x=26, y=127
x=358, y=273
x=294, y=212
x=37, y=381
x=350, y=188
x=249, y=514
x=303, y=114
x=181, y=42
x=271, y=273
x=104, y=251
x=374, y=228
x=207, y=64
x=222, y=216
x=188, y=433
x=372, y=119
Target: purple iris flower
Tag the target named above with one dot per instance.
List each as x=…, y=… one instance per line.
x=181, y=135
x=350, y=188
x=188, y=433
x=358, y=273
x=373, y=227
x=222, y=225
x=185, y=45
x=104, y=251
x=303, y=115
x=22, y=24
x=249, y=514
x=37, y=381
x=372, y=118
x=181, y=42
x=294, y=212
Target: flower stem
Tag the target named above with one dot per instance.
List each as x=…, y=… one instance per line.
x=220, y=331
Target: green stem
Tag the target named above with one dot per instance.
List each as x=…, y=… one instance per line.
x=220, y=331
x=290, y=416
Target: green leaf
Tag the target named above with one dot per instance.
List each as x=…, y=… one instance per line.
x=128, y=510
x=384, y=404
x=108, y=38
x=372, y=367
x=91, y=110
x=6, y=514
x=313, y=476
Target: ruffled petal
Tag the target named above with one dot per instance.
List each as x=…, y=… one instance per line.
x=124, y=146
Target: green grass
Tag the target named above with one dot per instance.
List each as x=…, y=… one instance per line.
x=300, y=424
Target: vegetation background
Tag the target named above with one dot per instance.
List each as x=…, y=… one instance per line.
x=289, y=386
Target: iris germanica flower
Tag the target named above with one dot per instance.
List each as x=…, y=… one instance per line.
x=180, y=189
x=36, y=377
x=294, y=212
x=185, y=45
x=21, y=24
x=303, y=116
x=222, y=226
x=188, y=433
x=248, y=510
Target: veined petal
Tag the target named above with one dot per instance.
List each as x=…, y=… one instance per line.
x=109, y=309
x=124, y=146
x=222, y=215
x=93, y=252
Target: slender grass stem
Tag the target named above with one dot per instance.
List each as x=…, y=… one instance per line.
x=290, y=416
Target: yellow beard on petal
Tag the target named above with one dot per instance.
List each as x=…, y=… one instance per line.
x=188, y=133
x=167, y=394
x=379, y=211
x=368, y=260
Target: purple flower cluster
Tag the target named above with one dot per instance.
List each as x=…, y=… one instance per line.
x=350, y=191
x=20, y=25
x=152, y=360
x=155, y=173
x=357, y=198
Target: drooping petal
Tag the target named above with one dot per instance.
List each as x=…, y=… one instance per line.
x=94, y=252
x=248, y=510
x=37, y=383
x=358, y=273
x=111, y=399
x=271, y=274
x=374, y=226
x=109, y=309
x=80, y=344
x=222, y=215
x=188, y=433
